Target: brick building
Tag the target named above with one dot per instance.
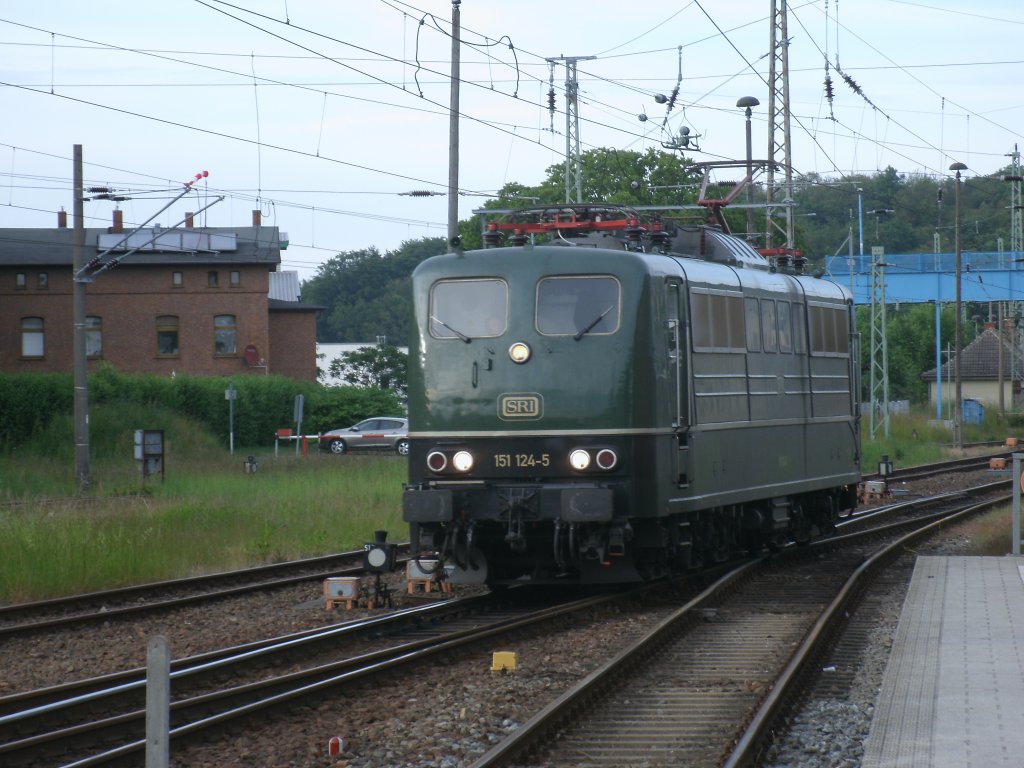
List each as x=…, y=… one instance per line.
x=201, y=301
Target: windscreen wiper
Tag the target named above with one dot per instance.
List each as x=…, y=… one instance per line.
x=580, y=334
x=461, y=335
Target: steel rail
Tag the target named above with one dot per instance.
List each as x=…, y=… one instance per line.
x=197, y=582
x=294, y=685
x=754, y=739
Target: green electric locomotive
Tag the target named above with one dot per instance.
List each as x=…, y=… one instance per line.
x=621, y=403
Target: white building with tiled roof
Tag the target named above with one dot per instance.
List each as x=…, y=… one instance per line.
x=980, y=377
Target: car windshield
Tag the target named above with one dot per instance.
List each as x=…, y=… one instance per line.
x=468, y=309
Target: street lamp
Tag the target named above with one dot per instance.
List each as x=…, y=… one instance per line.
x=746, y=102
x=958, y=437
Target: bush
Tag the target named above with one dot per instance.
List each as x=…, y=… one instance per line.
x=42, y=406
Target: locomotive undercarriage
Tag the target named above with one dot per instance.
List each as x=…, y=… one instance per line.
x=521, y=540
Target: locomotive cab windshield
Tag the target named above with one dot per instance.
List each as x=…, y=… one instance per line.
x=468, y=309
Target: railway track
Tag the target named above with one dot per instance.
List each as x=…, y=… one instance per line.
x=684, y=693
x=134, y=601
x=101, y=721
x=964, y=464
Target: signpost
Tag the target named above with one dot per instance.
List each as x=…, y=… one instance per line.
x=300, y=401
x=230, y=394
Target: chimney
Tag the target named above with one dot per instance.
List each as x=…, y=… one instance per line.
x=188, y=220
x=256, y=216
x=62, y=219
x=118, y=221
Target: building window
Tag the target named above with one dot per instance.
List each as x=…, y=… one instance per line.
x=33, y=341
x=224, y=332
x=211, y=278
x=177, y=279
x=236, y=278
x=21, y=281
x=43, y=281
x=93, y=336
x=167, y=336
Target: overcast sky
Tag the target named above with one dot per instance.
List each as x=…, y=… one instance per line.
x=326, y=114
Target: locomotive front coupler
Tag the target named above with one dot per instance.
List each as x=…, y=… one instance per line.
x=517, y=501
x=460, y=532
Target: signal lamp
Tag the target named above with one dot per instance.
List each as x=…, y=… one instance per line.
x=606, y=458
x=436, y=461
x=379, y=556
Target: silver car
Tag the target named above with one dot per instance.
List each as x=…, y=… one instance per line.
x=381, y=433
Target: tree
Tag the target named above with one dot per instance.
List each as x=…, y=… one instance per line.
x=620, y=177
x=381, y=367
x=367, y=294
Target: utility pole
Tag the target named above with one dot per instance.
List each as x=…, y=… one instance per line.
x=1016, y=179
x=84, y=273
x=78, y=310
x=879, y=345
x=779, y=146
x=453, y=135
x=573, y=165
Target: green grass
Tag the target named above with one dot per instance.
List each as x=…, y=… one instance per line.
x=913, y=440
x=206, y=515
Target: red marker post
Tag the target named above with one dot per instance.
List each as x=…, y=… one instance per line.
x=335, y=746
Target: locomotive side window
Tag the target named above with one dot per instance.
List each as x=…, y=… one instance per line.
x=753, y=318
x=799, y=330
x=785, y=327
x=842, y=321
x=700, y=305
x=771, y=339
x=830, y=330
x=468, y=309
x=718, y=321
x=578, y=306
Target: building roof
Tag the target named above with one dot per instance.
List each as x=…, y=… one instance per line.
x=199, y=245
x=279, y=305
x=979, y=360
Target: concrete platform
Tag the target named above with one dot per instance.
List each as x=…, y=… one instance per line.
x=953, y=691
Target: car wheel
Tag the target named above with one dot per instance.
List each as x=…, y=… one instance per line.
x=402, y=446
x=338, y=446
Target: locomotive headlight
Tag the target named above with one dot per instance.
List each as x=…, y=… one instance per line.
x=462, y=461
x=519, y=352
x=436, y=461
x=579, y=459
